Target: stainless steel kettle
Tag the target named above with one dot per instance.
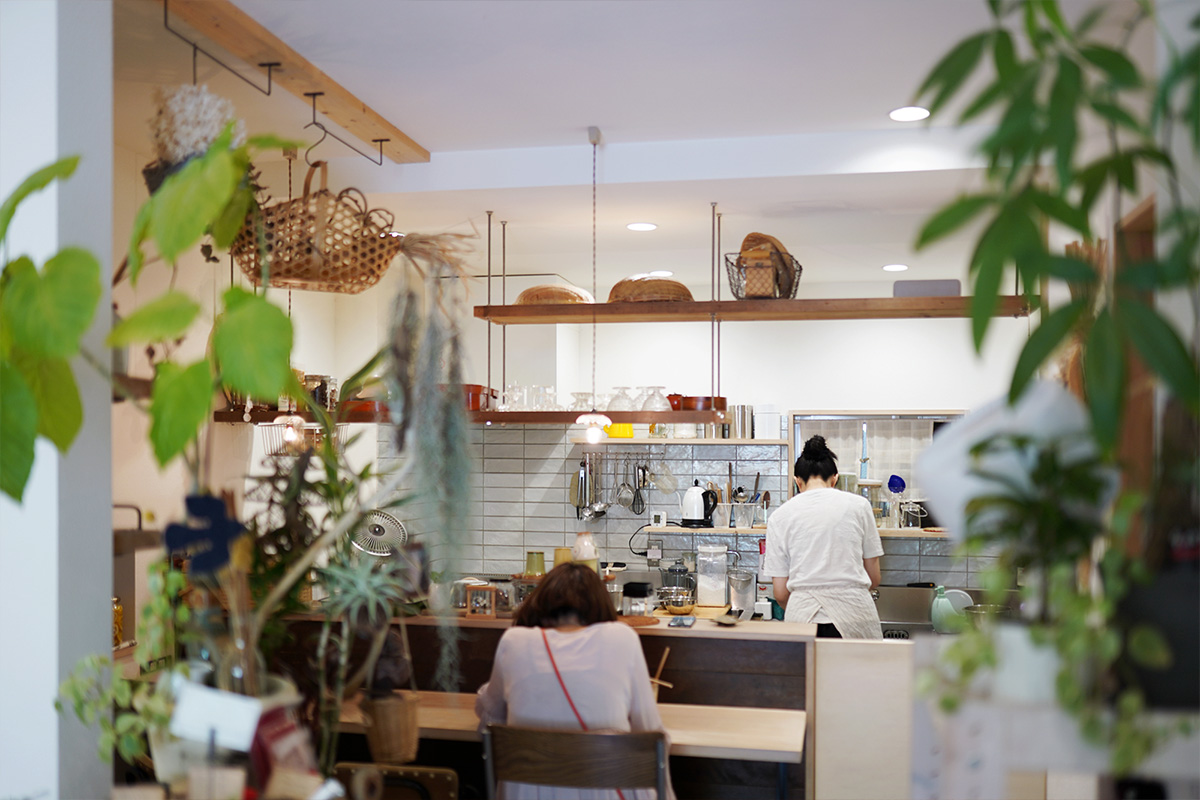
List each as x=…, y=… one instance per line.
x=697, y=507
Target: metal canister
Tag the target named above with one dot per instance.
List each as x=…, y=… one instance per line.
x=118, y=628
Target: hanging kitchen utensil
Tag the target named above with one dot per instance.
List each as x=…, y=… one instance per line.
x=754, y=494
x=638, y=504
x=625, y=491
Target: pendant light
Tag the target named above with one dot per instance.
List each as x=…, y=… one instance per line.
x=594, y=421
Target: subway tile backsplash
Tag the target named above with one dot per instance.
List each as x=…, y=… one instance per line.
x=520, y=498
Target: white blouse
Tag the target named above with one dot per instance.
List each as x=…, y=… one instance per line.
x=603, y=668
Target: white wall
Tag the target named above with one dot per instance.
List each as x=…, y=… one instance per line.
x=55, y=549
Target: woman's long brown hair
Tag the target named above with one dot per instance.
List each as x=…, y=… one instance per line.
x=567, y=590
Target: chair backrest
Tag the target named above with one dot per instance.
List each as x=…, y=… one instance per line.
x=575, y=758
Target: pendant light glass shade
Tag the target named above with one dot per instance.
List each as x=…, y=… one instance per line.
x=596, y=423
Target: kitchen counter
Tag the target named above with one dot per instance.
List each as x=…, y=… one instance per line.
x=913, y=533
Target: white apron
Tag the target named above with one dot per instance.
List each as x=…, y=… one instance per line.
x=850, y=607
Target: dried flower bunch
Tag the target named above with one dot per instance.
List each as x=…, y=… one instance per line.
x=189, y=118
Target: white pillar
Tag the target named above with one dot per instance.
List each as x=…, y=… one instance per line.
x=56, y=548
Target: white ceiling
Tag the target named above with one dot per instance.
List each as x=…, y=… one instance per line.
x=774, y=109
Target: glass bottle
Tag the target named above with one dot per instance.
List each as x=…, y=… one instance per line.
x=585, y=551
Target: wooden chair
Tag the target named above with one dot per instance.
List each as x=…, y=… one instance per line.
x=575, y=758
x=393, y=782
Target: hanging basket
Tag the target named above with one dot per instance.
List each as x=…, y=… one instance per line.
x=320, y=241
x=391, y=726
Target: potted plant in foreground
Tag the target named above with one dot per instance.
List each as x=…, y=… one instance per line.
x=1051, y=78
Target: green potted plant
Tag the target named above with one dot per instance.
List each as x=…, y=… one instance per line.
x=1047, y=79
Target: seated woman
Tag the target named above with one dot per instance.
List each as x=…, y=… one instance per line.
x=568, y=628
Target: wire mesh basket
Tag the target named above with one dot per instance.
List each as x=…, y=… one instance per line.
x=292, y=439
x=761, y=280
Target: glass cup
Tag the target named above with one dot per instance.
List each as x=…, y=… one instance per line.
x=721, y=517
x=743, y=514
x=621, y=401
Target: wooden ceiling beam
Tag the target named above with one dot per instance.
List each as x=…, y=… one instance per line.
x=226, y=25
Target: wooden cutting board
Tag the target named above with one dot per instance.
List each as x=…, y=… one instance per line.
x=638, y=622
x=700, y=612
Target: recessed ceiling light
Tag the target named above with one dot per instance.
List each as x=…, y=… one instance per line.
x=895, y=267
x=909, y=114
x=660, y=273
x=641, y=226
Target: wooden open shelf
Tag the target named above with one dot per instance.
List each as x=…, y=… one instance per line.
x=127, y=386
x=748, y=310
x=569, y=417
x=260, y=416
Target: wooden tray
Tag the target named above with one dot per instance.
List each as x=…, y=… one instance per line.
x=638, y=622
x=700, y=612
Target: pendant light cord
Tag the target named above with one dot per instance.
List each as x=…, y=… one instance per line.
x=595, y=146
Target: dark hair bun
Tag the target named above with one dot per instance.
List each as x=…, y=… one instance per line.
x=815, y=449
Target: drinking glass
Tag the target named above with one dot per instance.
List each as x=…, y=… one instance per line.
x=621, y=401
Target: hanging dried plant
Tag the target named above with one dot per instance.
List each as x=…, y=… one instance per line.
x=188, y=119
x=425, y=374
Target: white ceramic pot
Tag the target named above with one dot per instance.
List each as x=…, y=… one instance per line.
x=1026, y=671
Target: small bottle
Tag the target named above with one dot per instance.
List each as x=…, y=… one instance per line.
x=943, y=615
x=118, y=625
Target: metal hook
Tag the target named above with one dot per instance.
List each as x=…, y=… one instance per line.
x=324, y=132
x=313, y=146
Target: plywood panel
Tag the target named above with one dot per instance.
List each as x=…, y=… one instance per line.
x=862, y=719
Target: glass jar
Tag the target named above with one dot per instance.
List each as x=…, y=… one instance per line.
x=636, y=601
x=711, y=568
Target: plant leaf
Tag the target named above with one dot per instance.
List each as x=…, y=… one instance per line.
x=59, y=409
x=983, y=101
x=1104, y=378
x=189, y=201
x=1057, y=208
x=1148, y=647
x=950, y=73
x=1004, y=55
x=1052, y=14
x=141, y=229
x=253, y=343
x=1117, y=115
x=1116, y=65
x=985, y=298
x=1064, y=97
x=48, y=313
x=1159, y=345
x=163, y=319
x=952, y=217
x=1042, y=342
x=179, y=405
x=1070, y=269
x=61, y=169
x=225, y=229
x=18, y=431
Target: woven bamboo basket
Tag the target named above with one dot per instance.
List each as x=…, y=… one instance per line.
x=392, y=729
x=320, y=241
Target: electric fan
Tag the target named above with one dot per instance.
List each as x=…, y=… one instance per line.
x=379, y=534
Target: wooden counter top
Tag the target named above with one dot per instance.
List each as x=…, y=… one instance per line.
x=913, y=533
x=753, y=630
x=745, y=734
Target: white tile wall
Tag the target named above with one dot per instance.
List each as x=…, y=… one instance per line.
x=522, y=476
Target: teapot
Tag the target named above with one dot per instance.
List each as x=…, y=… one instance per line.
x=697, y=507
x=678, y=576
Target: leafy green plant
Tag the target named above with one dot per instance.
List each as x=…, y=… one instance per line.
x=44, y=314
x=95, y=688
x=364, y=595
x=1049, y=81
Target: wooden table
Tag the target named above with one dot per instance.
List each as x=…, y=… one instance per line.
x=746, y=734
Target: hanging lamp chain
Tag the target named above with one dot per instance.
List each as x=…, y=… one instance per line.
x=595, y=143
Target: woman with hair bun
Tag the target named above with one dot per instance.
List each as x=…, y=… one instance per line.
x=823, y=551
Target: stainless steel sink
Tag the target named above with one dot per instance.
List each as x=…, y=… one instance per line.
x=905, y=609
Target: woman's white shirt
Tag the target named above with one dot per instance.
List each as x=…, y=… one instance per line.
x=603, y=668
